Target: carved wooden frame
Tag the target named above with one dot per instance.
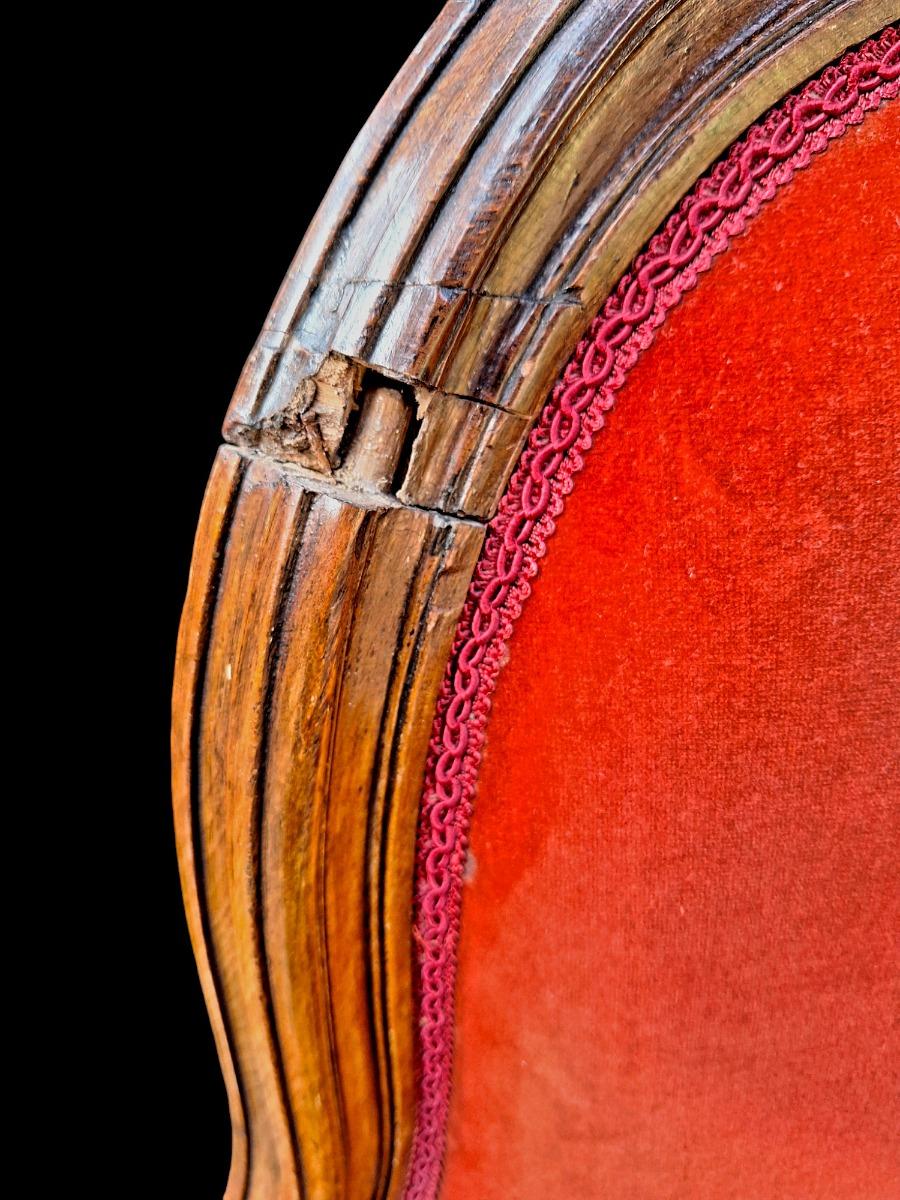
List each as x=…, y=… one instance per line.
x=521, y=158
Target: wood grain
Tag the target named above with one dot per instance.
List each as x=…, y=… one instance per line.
x=523, y=155
x=193, y=641
x=547, y=147
x=307, y=669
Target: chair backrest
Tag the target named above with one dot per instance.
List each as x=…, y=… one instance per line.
x=537, y=844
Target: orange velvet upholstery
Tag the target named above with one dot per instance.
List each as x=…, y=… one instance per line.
x=678, y=928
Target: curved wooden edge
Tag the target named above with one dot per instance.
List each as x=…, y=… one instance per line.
x=312, y=647
x=523, y=155
x=489, y=224
x=191, y=652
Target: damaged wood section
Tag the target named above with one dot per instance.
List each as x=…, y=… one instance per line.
x=312, y=647
x=483, y=216
x=308, y=424
x=371, y=433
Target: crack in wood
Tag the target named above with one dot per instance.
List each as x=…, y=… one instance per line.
x=564, y=297
x=373, y=433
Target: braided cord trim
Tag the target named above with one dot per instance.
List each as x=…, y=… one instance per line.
x=716, y=210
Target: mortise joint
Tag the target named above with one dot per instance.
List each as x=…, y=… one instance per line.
x=370, y=433
x=377, y=442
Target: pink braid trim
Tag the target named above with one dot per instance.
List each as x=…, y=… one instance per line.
x=715, y=211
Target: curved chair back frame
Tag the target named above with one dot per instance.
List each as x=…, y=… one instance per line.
x=521, y=159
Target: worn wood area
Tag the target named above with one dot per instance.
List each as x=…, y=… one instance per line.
x=549, y=142
x=312, y=648
x=376, y=433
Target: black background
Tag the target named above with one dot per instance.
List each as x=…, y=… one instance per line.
x=227, y=138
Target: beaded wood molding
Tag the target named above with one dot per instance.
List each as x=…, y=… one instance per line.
x=520, y=160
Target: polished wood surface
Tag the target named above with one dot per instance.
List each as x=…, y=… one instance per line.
x=523, y=155
x=312, y=647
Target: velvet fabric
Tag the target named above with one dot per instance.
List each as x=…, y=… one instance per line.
x=678, y=928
